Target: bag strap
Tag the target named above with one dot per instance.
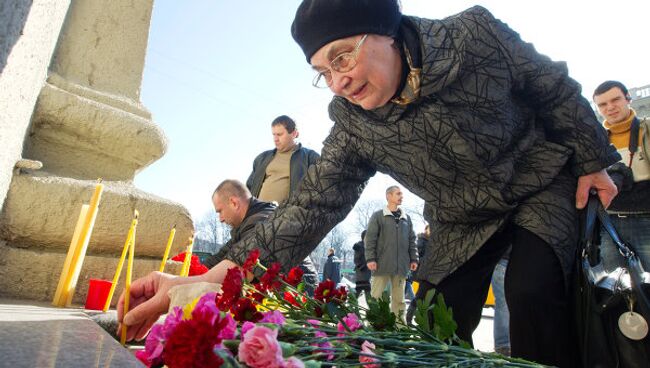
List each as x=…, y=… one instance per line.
x=591, y=236
x=634, y=139
x=635, y=268
x=624, y=248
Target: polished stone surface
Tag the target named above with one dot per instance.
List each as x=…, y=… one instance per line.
x=33, y=335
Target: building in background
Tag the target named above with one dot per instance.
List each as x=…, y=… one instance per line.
x=641, y=100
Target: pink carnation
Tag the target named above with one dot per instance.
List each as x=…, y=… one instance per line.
x=351, y=321
x=275, y=317
x=293, y=362
x=229, y=330
x=206, y=305
x=144, y=357
x=326, y=346
x=313, y=322
x=367, y=349
x=155, y=343
x=260, y=348
x=245, y=327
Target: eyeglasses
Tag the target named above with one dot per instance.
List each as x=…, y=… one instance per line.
x=342, y=63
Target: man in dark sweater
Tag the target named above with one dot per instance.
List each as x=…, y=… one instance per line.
x=239, y=209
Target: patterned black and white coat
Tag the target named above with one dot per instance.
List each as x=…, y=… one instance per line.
x=500, y=133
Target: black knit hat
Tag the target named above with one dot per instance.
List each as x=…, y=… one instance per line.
x=319, y=22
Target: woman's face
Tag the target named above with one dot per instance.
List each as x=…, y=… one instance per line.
x=375, y=78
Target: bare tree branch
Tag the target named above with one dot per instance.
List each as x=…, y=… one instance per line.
x=211, y=234
x=363, y=211
x=337, y=239
x=415, y=211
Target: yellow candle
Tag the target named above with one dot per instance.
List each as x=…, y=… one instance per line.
x=59, y=298
x=79, y=249
x=130, y=238
x=127, y=283
x=82, y=244
x=169, y=246
x=185, y=271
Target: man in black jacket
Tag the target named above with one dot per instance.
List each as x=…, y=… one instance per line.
x=332, y=267
x=361, y=270
x=238, y=208
x=421, y=245
x=277, y=172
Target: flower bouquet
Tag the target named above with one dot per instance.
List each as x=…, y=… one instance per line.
x=271, y=323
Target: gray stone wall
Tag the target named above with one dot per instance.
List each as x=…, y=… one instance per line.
x=28, y=34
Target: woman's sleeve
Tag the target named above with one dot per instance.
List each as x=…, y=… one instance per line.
x=567, y=117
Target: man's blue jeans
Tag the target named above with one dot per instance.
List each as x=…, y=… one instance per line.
x=501, y=314
x=636, y=231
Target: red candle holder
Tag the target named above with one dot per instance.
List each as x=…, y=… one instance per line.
x=97, y=293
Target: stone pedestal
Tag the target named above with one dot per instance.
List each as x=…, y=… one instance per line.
x=41, y=212
x=88, y=123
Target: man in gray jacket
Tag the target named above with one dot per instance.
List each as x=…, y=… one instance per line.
x=390, y=250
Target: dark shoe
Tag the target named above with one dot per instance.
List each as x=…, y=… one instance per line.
x=503, y=350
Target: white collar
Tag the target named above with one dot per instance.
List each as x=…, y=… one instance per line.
x=388, y=212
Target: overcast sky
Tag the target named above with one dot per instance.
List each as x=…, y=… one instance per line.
x=218, y=72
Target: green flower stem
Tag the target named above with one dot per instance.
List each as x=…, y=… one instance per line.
x=396, y=344
x=260, y=265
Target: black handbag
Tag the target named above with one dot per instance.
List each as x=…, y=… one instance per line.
x=612, y=308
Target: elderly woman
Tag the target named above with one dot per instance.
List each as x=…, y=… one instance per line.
x=492, y=135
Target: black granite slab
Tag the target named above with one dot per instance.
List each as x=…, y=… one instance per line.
x=37, y=336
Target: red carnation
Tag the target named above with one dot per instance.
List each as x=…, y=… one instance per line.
x=326, y=292
x=246, y=310
x=192, y=343
x=294, y=298
x=295, y=276
x=342, y=293
x=231, y=289
x=251, y=261
x=256, y=296
x=270, y=280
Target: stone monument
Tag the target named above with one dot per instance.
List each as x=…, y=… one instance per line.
x=70, y=113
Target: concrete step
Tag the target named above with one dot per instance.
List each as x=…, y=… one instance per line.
x=41, y=211
x=34, y=274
